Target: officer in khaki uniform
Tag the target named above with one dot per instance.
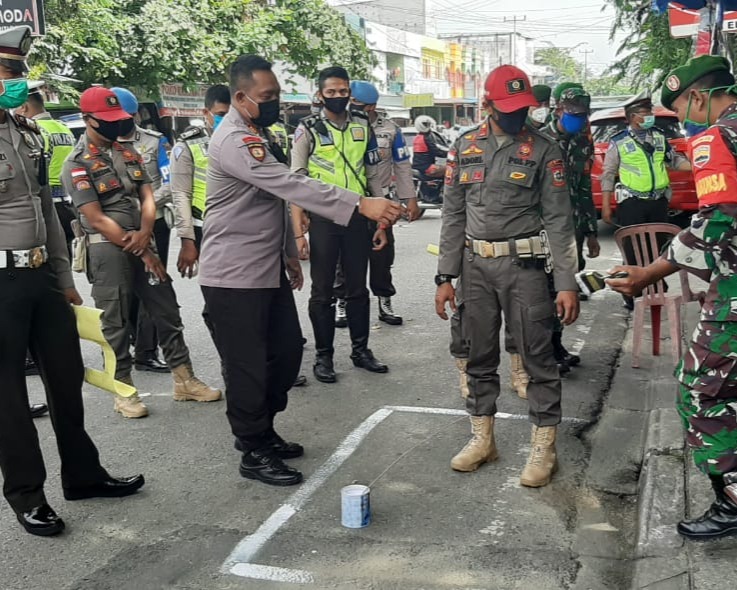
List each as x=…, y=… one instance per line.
x=154, y=149
x=189, y=177
x=505, y=184
x=107, y=180
x=36, y=289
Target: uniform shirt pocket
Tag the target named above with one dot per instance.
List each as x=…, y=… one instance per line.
x=517, y=184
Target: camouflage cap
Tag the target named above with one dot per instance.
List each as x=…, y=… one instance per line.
x=541, y=92
x=564, y=86
x=695, y=68
x=575, y=101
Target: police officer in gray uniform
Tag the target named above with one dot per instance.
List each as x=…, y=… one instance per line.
x=505, y=184
x=36, y=288
x=249, y=265
x=154, y=149
x=107, y=181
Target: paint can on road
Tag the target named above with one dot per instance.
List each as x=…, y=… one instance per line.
x=355, y=503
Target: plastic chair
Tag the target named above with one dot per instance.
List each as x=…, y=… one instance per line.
x=643, y=240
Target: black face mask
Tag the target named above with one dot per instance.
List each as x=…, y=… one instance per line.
x=110, y=130
x=268, y=112
x=361, y=108
x=511, y=123
x=126, y=127
x=336, y=105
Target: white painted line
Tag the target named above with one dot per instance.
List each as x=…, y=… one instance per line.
x=247, y=549
x=272, y=574
x=239, y=561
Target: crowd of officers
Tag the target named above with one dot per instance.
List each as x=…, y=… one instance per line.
x=518, y=212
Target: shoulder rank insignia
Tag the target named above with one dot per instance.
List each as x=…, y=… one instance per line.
x=27, y=123
x=472, y=150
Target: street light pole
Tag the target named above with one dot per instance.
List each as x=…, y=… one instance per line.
x=585, y=63
x=513, y=46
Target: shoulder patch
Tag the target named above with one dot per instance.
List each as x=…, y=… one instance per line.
x=177, y=151
x=557, y=170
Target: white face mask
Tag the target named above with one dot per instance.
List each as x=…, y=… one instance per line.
x=540, y=114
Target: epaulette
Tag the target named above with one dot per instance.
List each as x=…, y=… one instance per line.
x=621, y=135
x=538, y=133
x=310, y=120
x=27, y=123
x=193, y=131
x=152, y=132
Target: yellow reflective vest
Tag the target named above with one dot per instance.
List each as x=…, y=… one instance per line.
x=638, y=171
x=59, y=142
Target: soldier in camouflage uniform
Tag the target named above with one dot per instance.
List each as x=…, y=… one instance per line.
x=701, y=92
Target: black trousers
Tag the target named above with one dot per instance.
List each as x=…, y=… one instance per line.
x=330, y=242
x=380, y=269
x=66, y=214
x=258, y=338
x=147, y=340
x=34, y=315
x=636, y=211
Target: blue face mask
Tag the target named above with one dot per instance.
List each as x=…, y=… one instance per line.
x=573, y=124
x=692, y=129
x=216, y=120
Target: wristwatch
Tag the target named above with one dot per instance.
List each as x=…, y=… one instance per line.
x=440, y=279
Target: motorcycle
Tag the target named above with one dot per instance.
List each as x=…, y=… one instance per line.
x=429, y=191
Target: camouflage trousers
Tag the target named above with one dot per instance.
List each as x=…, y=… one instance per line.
x=707, y=398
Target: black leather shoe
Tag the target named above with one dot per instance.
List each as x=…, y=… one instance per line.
x=263, y=465
x=366, y=360
x=323, y=370
x=152, y=365
x=112, y=487
x=41, y=521
x=720, y=520
x=31, y=367
x=38, y=410
x=282, y=448
x=300, y=381
x=563, y=368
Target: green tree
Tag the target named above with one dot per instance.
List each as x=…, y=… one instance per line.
x=608, y=85
x=648, y=52
x=145, y=43
x=562, y=64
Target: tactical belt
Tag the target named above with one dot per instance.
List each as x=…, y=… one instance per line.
x=524, y=248
x=623, y=193
x=96, y=239
x=32, y=258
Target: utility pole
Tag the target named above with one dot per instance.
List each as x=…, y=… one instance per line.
x=585, y=63
x=513, y=45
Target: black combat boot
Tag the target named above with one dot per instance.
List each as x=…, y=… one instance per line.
x=323, y=326
x=720, y=520
x=386, y=312
x=359, y=314
x=561, y=354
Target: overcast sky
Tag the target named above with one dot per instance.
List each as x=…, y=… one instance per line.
x=564, y=23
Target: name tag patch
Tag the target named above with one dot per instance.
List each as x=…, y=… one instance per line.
x=358, y=134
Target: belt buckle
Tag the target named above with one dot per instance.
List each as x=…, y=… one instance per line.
x=35, y=257
x=487, y=250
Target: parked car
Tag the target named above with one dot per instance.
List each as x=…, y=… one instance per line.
x=606, y=123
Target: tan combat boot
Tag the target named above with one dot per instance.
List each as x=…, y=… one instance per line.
x=187, y=387
x=480, y=449
x=518, y=377
x=462, y=364
x=130, y=407
x=543, y=461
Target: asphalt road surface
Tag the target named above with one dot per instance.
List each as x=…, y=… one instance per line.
x=198, y=525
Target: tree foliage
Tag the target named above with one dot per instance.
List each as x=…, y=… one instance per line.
x=562, y=64
x=648, y=52
x=144, y=43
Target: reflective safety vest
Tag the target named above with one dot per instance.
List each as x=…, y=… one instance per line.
x=59, y=142
x=326, y=162
x=198, y=146
x=279, y=131
x=638, y=171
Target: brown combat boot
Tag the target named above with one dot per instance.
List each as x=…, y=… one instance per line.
x=461, y=365
x=518, y=377
x=543, y=461
x=187, y=387
x=480, y=449
x=130, y=407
